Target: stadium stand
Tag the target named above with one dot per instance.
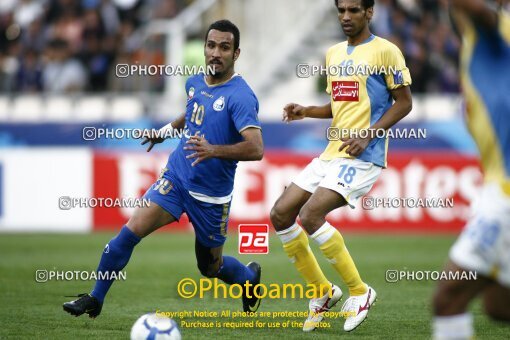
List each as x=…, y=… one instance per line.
x=62, y=46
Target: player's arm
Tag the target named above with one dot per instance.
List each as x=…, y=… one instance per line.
x=294, y=111
x=250, y=149
x=400, y=108
x=178, y=123
x=479, y=11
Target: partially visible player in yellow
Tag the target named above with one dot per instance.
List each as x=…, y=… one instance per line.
x=484, y=245
x=348, y=168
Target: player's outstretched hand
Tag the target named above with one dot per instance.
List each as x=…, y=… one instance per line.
x=292, y=112
x=203, y=150
x=355, y=146
x=153, y=141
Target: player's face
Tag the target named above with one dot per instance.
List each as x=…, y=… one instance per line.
x=353, y=17
x=219, y=52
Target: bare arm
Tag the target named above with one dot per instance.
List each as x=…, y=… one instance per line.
x=402, y=106
x=294, y=111
x=321, y=112
x=178, y=123
x=250, y=149
x=479, y=11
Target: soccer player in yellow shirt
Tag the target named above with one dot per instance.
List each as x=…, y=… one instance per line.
x=484, y=244
x=348, y=168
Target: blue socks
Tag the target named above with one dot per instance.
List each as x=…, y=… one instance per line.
x=115, y=257
x=233, y=271
x=118, y=251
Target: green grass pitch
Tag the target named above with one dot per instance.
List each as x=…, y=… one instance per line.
x=34, y=310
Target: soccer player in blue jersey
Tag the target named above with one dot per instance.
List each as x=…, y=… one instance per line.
x=484, y=245
x=221, y=117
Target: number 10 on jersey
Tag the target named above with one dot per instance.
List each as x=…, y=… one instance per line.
x=197, y=117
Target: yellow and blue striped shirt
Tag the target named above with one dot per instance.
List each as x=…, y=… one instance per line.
x=360, y=92
x=485, y=79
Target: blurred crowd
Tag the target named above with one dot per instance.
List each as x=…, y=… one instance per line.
x=60, y=46
x=422, y=31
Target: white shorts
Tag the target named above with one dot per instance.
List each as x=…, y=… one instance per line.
x=484, y=244
x=351, y=178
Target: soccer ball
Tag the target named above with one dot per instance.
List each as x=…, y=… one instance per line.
x=152, y=326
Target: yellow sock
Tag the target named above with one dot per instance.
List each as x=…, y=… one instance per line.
x=295, y=244
x=333, y=247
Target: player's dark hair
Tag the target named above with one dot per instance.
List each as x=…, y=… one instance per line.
x=226, y=26
x=365, y=3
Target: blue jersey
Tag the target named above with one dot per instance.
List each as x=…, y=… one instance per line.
x=220, y=113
